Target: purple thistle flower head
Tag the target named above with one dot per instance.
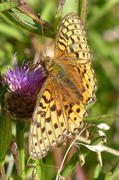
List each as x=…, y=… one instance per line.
x=23, y=86
x=24, y=81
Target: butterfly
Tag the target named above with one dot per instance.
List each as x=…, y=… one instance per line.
x=70, y=83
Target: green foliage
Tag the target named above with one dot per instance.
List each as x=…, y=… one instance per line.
x=38, y=166
x=113, y=174
x=8, y=5
x=5, y=137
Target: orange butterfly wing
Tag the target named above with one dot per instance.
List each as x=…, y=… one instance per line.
x=59, y=110
x=72, y=51
x=55, y=118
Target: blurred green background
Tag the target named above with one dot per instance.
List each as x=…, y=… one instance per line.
x=103, y=38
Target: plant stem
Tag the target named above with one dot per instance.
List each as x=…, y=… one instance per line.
x=108, y=149
x=83, y=5
x=20, y=128
x=2, y=170
x=14, y=152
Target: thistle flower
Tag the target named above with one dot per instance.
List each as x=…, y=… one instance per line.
x=23, y=86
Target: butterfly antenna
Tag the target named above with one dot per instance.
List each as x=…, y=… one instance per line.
x=43, y=36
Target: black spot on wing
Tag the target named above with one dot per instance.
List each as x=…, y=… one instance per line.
x=71, y=49
x=72, y=40
x=37, y=124
x=49, y=132
x=53, y=108
x=75, y=118
x=78, y=110
x=78, y=38
x=75, y=26
x=77, y=55
x=45, y=99
x=41, y=141
x=66, y=107
x=59, y=112
x=80, y=46
x=48, y=119
x=41, y=104
x=43, y=113
x=43, y=129
x=70, y=111
x=83, y=54
x=55, y=125
x=62, y=124
x=87, y=86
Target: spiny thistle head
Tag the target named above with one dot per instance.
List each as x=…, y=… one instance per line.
x=23, y=86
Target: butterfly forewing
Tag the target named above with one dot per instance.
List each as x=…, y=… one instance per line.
x=72, y=50
x=71, y=41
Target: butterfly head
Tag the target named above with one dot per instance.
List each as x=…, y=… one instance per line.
x=47, y=63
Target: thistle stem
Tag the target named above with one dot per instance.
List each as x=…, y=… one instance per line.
x=20, y=128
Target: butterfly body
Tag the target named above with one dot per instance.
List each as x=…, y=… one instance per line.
x=70, y=83
x=51, y=67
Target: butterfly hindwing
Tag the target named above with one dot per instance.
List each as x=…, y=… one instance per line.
x=54, y=120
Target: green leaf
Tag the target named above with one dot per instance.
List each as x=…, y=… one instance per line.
x=98, y=174
x=39, y=168
x=10, y=178
x=29, y=168
x=70, y=6
x=24, y=21
x=5, y=137
x=101, y=119
x=113, y=174
x=8, y=5
x=76, y=6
